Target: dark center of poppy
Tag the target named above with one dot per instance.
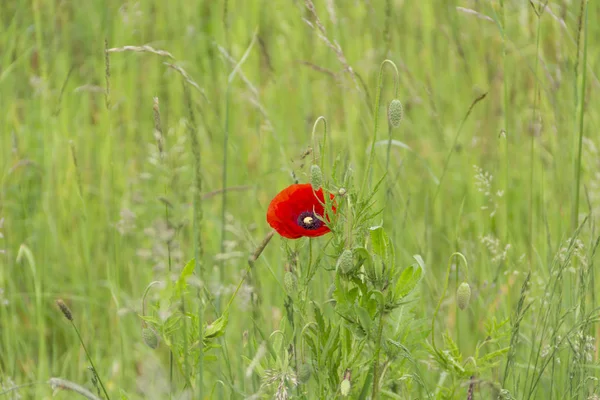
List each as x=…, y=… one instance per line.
x=309, y=220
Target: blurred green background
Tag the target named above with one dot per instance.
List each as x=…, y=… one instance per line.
x=83, y=189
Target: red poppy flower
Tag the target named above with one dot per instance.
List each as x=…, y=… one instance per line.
x=298, y=211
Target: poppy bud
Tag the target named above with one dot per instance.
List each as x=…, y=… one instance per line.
x=395, y=113
x=316, y=177
x=342, y=192
x=150, y=338
x=290, y=283
x=304, y=373
x=345, y=264
x=463, y=295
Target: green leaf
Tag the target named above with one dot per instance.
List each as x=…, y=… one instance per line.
x=187, y=271
x=378, y=296
x=319, y=317
x=364, y=258
x=382, y=246
x=364, y=393
x=420, y=261
x=379, y=240
x=408, y=280
x=150, y=319
x=217, y=328
x=364, y=317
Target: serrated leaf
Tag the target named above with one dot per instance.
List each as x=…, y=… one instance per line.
x=186, y=272
x=408, y=280
x=217, y=328
x=382, y=246
x=364, y=317
x=379, y=240
x=363, y=257
x=319, y=317
x=332, y=344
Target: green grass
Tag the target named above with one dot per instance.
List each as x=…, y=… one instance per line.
x=93, y=213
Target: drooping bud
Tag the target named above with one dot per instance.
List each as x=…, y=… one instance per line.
x=304, y=373
x=290, y=282
x=150, y=338
x=316, y=177
x=345, y=264
x=463, y=295
x=395, y=113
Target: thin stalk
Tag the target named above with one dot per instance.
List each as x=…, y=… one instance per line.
x=532, y=143
x=224, y=185
x=376, y=116
x=198, y=249
x=447, y=281
x=169, y=282
x=376, y=358
x=322, y=147
x=447, y=163
x=506, y=123
x=87, y=354
x=581, y=119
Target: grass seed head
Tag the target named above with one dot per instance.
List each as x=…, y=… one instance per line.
x=65, y=309
x=395, y=113
x=463, y=295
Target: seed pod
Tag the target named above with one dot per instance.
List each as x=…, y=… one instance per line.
x=395, y=113
x=290, y=283
x=150, y=338
x=463, y=295
x=345, y=264
x=316, y=177
x=304, y=373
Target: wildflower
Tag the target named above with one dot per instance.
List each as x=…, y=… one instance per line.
x=298, y=211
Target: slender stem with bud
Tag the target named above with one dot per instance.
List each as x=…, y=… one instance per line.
x=69, y=315
x=322, y=149
x=437, y=308
x=376, y=116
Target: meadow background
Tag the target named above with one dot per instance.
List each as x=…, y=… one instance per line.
x=94, y=208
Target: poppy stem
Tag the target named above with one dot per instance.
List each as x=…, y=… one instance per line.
x=314, y=142
x=376, y=116
x=447, y=281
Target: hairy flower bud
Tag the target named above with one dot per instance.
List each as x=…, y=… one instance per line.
x=316, y=177
x=463, y=295
x=290, y=283
x=395, y=113
x=150, y=338
x=345, y=264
